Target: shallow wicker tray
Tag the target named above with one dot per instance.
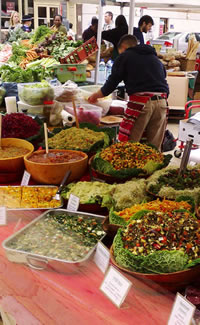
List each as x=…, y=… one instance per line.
x=171, y=281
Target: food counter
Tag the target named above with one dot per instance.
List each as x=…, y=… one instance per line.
x=41, y=297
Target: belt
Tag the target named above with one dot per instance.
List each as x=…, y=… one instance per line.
x=156, y=97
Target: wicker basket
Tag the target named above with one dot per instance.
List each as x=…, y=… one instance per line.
x=187, y=65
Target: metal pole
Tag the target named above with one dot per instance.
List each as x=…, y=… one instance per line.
x=100, y=22
x=0, y=20
x=131, y=16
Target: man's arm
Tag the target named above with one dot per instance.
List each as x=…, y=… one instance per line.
x=114, y=79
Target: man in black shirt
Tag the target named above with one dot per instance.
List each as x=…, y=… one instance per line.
x=144, y=26
x=144, y=75
x=91, y=31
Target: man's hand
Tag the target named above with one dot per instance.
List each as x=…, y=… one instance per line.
x=93, y=98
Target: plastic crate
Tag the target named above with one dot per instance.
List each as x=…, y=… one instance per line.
x=82, y=52
x=73, y=72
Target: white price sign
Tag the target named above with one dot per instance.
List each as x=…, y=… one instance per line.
x=115, y=286
x=25, y=178
x=182, y=311
x=73, y=203
x=102, y=257
x=3, y=216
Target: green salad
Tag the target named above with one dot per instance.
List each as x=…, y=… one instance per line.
x=156, y=242
x=35, y=93
x=169, y=184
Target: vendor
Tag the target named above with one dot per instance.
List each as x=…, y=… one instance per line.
x=145, y=81
x=57, y=25
x=91, y=30
x=26, y=23
x=144, y=25
x=114, y=35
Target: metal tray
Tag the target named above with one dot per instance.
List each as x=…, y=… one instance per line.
x=24, y=209
x=40, y=262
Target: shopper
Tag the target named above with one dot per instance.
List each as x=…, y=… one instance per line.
x=58, y=27
x=91, y=30
x=145, y=24
x=109, y=24
x=114, y=35
x=71, y=32
x=26, y=23
x=14, y=21
x=145, y=81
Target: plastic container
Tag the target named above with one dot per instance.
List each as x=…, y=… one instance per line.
x=102, y=71
x=109, y=68
x=87, y=113
x=117, y=107
x=73, y=72
x=35, y=95
x=30, y=109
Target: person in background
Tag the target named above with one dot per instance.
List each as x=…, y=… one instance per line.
x=145, y=81
x=145, y=24
x=14, y=21
x=109, y=24
x=114, y=35
x=58, y=27
x=70, y=32
x=91, y=30
x=26, y=23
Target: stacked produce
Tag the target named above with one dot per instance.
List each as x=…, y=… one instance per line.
x=171, y=60
x=157, y=242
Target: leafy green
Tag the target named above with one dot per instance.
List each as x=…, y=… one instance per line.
x=36, y=93
x=188, y=199
x=18, y=52
x=193, y=263
x=165, y=261
x=40, y=34
x=18, y=34
x=15, y=74
x=115, y=219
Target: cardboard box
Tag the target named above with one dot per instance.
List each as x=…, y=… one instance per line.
x=178, y=90
x=189, y=131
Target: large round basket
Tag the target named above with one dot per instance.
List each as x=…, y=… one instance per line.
x=171, y=281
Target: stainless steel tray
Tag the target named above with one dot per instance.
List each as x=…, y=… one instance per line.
x=45, y=208
x=40, y=262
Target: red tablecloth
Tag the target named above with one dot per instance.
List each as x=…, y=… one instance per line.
x=45, y=297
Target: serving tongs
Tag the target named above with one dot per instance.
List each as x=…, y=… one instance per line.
x=65, y=178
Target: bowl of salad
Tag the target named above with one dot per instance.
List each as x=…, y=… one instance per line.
x=160, y=248
x=35, y=93
x=125, y=160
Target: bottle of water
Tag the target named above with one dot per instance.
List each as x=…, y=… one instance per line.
x=109, y=68
x=102, y=71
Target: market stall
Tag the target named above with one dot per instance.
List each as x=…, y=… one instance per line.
x=145, y=213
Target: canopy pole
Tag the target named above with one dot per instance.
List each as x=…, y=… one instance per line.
x=0, y=19
x=131, y=16
x=100, y=23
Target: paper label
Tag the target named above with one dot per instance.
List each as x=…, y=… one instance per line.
x=25, y=178
x=115, y=286
x=3, y=216
x=182, y=311
x=73, y=203
x=102, y=257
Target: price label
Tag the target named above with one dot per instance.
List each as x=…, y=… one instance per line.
x=3, y=216
x=73, y=203
x=182, y=311
x=102, y=257
x=25, y=178
x=115, y=286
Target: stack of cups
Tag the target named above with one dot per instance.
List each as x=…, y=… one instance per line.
x=11, y=105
